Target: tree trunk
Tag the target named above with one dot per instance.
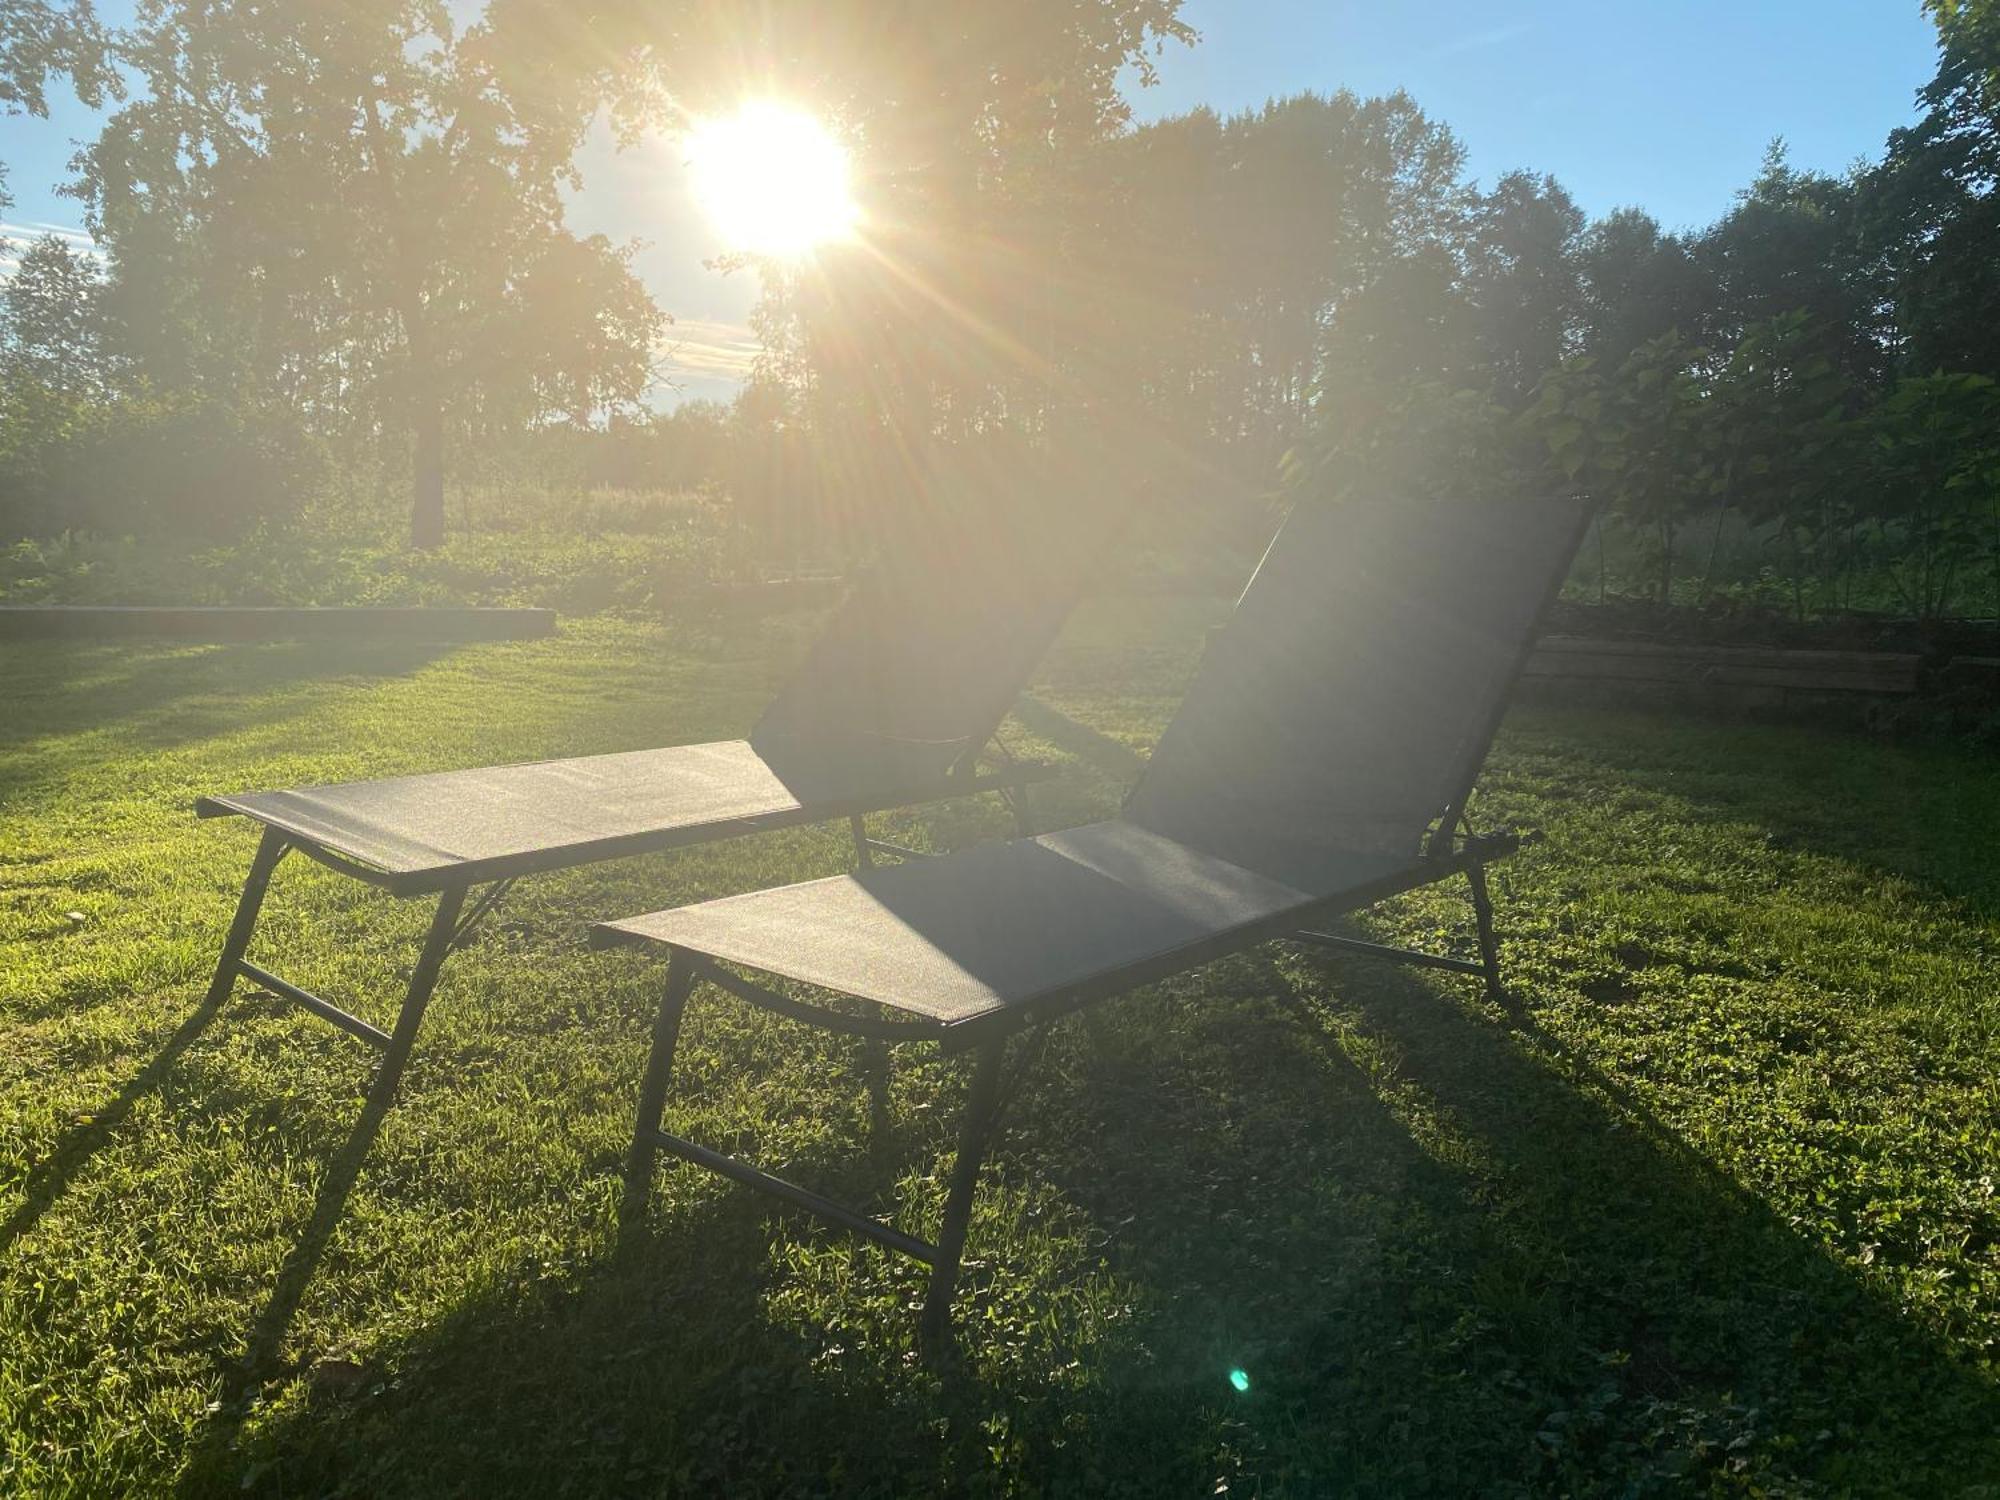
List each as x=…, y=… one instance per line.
x=1714, y=548
x=1995, y=511
x=427, y=519
x=427, y=471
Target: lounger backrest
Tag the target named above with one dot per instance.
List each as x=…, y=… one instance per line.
x=929, y=650
x=1351, y=698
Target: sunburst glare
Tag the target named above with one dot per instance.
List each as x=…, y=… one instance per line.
x=772, y=180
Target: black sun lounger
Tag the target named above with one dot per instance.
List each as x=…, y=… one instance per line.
x=1321, y=761
x=893, y=706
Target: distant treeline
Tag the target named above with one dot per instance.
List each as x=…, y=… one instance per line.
x=1196, y=306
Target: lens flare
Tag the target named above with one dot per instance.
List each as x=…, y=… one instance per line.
x=772, y=180
x=1240, y=1379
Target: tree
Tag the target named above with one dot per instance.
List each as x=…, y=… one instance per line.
x=1934, y=204
x=1936, y=466
x=968, y=311
x=1637, y=284
x=50, y=333
x=352, y=212
x=1630, y=436
x=1522, y=279
x=1969, y=30
x=1245, y=269
x=1795, y=242
x=1778, y=442
x=39, y=41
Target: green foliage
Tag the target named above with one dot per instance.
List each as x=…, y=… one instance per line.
x=353, y=216
x=1426, y=439
x=51, y=323
x=172, y=469
x=1936, y=442
x=1168, y=308
x=635, y=553
x=40, y=40
x=1714, y=1214
x=1832, y=475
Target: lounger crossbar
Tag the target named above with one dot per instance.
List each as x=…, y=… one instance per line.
x=1306, y=776
x=1396, y=955
x=837, y=1214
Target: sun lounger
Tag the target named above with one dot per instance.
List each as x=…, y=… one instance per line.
x=1321, y=761
x=894, y=706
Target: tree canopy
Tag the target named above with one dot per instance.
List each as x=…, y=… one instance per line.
x=336, y=235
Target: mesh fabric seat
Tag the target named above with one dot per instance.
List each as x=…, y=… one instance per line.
x=962, y=938
x=497, y=820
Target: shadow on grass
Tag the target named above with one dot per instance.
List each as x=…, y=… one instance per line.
x=91, y=685
x=1110, y=758
x=50, y=1178
x=1918, y=809
x=1446, y=1257
x=158, y=699
x=161, y=698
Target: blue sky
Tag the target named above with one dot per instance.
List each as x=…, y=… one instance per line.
x=1666, y=104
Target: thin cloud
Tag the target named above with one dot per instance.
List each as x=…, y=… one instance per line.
x=16, y=237
x=711, y=349
x=1479, y=41
x=60, y=231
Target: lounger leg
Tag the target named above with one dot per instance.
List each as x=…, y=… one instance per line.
x=270, y=850
x=653, y=1091
x=875, y=1063
x=423, y=980
x=1024, y=825
x=974, y=1132
x=1489, y=942
x=864, y=857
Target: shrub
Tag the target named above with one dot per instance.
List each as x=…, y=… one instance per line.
x=163, y=466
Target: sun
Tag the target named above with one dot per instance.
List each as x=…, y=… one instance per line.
x=772, y=180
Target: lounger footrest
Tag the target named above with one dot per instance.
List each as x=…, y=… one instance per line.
x=353, y=1025
x=1383, y=950
x=777, y=1187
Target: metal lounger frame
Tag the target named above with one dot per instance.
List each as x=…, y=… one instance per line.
x=988, y=1036
x=452, y=924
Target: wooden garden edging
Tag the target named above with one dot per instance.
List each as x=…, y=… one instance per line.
x=255, y=623
x=1737, y=676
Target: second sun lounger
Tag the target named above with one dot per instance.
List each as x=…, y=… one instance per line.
x=895, y=705
x=1322, y=761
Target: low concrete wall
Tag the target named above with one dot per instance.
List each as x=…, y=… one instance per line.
x=180, y=623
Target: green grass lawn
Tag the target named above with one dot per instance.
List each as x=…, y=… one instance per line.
x=1715, y=1211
